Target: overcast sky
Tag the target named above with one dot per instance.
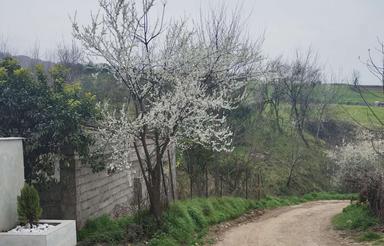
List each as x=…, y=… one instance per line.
x=338, y=30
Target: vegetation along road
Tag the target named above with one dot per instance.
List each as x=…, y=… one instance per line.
x=307, y=224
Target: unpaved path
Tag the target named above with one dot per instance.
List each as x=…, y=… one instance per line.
x=307, y=224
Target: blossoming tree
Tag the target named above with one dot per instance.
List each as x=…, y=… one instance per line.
x=360, y=168
x=182, y=79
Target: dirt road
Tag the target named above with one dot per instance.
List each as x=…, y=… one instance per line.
x=308, y=224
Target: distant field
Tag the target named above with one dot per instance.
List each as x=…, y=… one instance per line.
x=349, y=95
x=346, y=94
x=358, y=114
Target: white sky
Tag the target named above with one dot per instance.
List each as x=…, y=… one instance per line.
x=338, y=30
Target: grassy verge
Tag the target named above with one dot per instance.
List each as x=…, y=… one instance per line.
x=185, y=222
x=360, y=221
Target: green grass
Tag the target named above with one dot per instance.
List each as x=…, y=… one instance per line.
x=185, y=222
x=355, y=217
x=346, y=94
x=104, y=229
x=357, y=114
x=358, y=219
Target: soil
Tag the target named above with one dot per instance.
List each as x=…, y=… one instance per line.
x=308, y=224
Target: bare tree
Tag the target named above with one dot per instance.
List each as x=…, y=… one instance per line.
x=296, y=156
x=4, y=48
x=376, y=66
x=298, y=80
x=69, y=55
x=274, y=92
x=35, y=55
x=325, y=95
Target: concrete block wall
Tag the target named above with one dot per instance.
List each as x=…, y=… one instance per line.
x=82, y=194
x=11, y=180
x=100, y=193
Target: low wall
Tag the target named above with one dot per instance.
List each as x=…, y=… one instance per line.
x=11, y=180
x=82, y=194
x=100, y=193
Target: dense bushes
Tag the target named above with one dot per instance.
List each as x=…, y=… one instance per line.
x=185, y=222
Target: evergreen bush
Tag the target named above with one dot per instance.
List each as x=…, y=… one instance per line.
x=28, y=205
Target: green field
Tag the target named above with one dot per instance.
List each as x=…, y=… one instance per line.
x=347, y=94
x=358, y=114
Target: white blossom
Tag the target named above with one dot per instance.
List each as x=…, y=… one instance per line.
x=182, y=80
x=359, y=163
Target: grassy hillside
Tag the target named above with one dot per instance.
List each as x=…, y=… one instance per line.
x=256, y=132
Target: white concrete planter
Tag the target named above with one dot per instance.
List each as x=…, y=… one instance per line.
x=62, y=234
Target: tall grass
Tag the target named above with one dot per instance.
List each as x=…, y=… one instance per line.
x=185, y=222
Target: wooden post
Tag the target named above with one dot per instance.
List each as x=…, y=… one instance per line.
x=258, y=185
x=171, y=175
x=246, y=183
x=221, y=185
x=164, y=184
x=206, y=180
x=190, y=170
x=137, y=190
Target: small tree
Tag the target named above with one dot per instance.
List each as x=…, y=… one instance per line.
x=48, y=112
x=298, y=79
x=182, y=81
x=28, y=205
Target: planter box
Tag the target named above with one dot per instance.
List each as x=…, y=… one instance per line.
x=62, y=234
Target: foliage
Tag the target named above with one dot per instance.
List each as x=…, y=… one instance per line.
x=355, y=217
x=47, y=112
x=360, y=168
x=28, y=205
x=185, y=222
x=356, y=114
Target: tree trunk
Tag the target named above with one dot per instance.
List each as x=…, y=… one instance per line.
x=164, y=184
x=154, y=192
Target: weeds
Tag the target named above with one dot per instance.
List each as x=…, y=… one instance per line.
x=360, y=220
x=355, y=217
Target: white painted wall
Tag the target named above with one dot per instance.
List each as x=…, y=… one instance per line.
x=11, y=180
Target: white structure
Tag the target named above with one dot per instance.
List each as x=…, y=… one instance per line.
x=11, y=180
x=62, y=234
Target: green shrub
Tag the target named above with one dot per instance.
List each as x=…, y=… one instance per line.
x=102, y=229
x=355, y=217
x=28, y=205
